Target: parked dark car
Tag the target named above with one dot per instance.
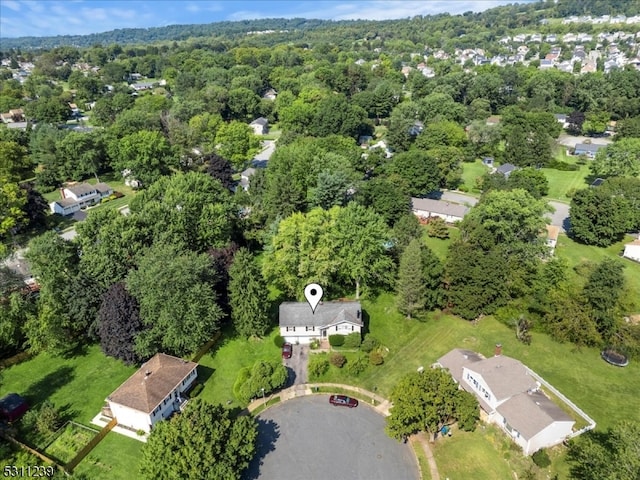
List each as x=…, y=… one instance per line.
x=287, y=350
x=343, y=401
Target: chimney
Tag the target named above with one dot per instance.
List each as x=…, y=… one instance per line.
x=498, y=350
x=62, y=192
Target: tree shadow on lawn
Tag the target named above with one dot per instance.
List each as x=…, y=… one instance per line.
x=268, y=433
x=48, y=385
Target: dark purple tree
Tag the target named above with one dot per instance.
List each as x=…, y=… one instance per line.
x=220, y=169
x=119, y=323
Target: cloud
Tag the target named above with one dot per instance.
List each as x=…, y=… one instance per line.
x=11, y=4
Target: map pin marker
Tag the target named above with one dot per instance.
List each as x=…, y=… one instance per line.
x=313, y=293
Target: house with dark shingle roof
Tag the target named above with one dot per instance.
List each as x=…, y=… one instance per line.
x=506, y=169
x=260, y=126
x=588, y=149
x=510, y=396
x=79, y=196
x=153, y=393
x=299, y=324
x=449, y=212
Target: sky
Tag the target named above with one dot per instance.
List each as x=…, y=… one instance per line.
x=78, y=17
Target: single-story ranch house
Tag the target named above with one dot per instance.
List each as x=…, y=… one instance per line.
x=298, y=324
x=79, y=196
x=449, y=212
x=510, y=397
x=588, y=149
x=153, y=393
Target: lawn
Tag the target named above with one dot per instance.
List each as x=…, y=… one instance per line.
x=576, y=253
x=563, y=182
x=604, y=392
x=470, y=172
x=440, y=246
x=116, y=457
x=219, y=368
x=487, y=453
x=78, y=385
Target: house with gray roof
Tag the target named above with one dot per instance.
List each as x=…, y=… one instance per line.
x=79, y=196
x=299, y=324
x=506, y=169
x=448, y=211
x=260, y=126
x=510, y=396
x=153, y=393
x=588, y=149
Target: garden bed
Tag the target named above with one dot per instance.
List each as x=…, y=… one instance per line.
x=71, y=439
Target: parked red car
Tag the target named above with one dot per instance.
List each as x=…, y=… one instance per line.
x=287, y=350
x=343, y=401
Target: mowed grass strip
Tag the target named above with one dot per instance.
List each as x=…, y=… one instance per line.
x=116, y=457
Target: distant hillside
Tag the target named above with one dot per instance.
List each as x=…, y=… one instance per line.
x=125, y=36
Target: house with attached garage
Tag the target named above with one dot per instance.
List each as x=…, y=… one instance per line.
x=79, y=196
x=588, y=149
x=510, y=396
x=425, y=208
x=299, y=324
x=153, y=393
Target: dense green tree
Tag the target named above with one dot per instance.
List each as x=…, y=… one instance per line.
x=263, y=378
x=603, y=292
x=411, y=290
x=220, y=169
x=441, y=134
x=404, y=230
x=80, y=155
x=237, y=143
x=628, y=128
x=612, y=455
x=146, y=154
x=619, y=159
x=48, y=110
x=178, y=304
x=12, y=202
x=332, y=189
x=248, y=296
x=428, y=401
x=531, y=180
x=386, y=196
x=598, y=217
x=419, y=170
x=14, y=162
x=205, y=442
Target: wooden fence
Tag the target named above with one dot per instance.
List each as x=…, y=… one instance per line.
x=206, y=347
x=90, y=446
x=31, y=450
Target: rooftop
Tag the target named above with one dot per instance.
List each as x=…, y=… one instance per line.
x=299, y=314
x=150, y=385
x=439, y=206
x=505, y=376
x=530, y=413
x=81, y=189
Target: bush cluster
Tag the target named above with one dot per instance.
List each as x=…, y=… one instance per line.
x=336, y=340
x=376, y=358
x=337, y=359
x=279, y=341
x=541, y=458
x=370, y=343
x=318, y=366
x=353, y=340
x=358, y=366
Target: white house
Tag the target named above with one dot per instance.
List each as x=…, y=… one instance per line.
x=79, y=196
x=153, y=393
x=260, y=126
x=552, y=237
x=632, y=250
x=588, y=149
x=510, y=397
x=298, y=324
x=449, y=212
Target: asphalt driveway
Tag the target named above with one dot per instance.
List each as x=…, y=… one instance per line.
x=308, y=439
x=297, y=365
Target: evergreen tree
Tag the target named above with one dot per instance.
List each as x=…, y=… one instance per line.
x=248, y=296
x=432, y=270
x=412, y=292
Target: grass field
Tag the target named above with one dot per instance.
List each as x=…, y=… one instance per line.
x=219, y=368
x=470, y=172
x=563, y=182
x=116, y=457
x=440, y=246
x=576, y=253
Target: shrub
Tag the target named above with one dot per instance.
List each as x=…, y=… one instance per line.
x=195, y=391
x=353, y=340
x=337, y=359
x=562, y=166
x=541, y=458
x=358, y=366
x=336, y=340
x=318, y=366
x=279, y=341
x=140, y=433
x=437, y=228
x=376, y=358
x=370, y=343
x=315, y=344
x=463, y=188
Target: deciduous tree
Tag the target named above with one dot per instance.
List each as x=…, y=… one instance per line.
x=119, y=323
x=204, y=442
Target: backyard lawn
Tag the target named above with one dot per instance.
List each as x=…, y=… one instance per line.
x=440, y=246
x=115, y=458
x=470, y=172
x=219, y=368
x=562, y=182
